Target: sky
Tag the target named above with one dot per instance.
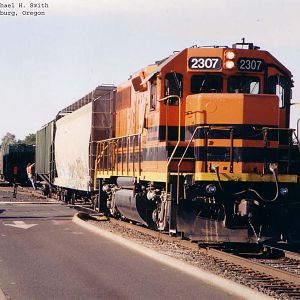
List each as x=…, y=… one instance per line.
x=50, y=61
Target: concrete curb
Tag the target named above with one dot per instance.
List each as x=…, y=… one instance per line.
x=209, y=278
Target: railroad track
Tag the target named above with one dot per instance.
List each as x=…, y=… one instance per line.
x=280, y=275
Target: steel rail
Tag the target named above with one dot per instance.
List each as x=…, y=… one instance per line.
x=287, y=253
x=257, y=267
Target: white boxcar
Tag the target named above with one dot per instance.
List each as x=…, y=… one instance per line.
x=82, y=124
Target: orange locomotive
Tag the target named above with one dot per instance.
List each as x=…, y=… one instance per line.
x=203, y=147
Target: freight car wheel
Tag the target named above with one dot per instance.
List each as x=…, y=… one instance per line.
x=73, y=198
x=67, y=196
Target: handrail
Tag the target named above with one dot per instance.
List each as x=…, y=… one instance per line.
x=127, y=155
x=118, y=137
x=297, y=134
x=297, y=140
x=178, y=139
x=290, y=132
x=122, y=148
x=208, y=128
x=298, y=124
x=104, y=147
x=182, y=157
x=138, y=135
x=222, y=127
x=95, y=167
x=276, y=129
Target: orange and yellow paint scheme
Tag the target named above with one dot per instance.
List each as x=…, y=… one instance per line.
x=203, y=117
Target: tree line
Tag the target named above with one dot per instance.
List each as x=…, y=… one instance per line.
x=10, y=138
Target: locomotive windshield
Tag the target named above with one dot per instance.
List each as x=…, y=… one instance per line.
x=242, y=84
x=206, y=84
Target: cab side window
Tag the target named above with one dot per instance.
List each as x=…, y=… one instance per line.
x=277, y=85
x=174, y=86
x=153, y=94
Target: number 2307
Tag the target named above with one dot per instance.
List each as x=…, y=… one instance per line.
x=206, y=63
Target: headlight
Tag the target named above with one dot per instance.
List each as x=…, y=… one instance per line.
x=211, y=189
x=230, y=55
x=229, y=64
x=284, y=191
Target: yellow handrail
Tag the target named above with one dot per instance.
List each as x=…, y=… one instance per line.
x=178, y=139
x=102, y=148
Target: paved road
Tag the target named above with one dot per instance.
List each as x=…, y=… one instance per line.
x=57, y=259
